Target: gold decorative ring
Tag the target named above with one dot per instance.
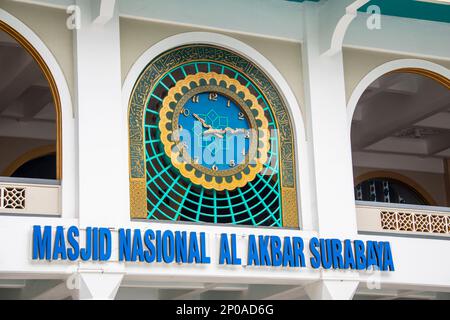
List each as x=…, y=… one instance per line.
x=212, y=82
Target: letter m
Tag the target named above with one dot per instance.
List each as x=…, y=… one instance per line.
x=42, y=243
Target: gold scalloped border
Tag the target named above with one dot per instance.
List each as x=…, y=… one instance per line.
x=263, y=132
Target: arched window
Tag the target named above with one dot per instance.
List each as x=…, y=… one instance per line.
x=29, y=110
x=216, y=96
x=401, y=125
x=388, y=190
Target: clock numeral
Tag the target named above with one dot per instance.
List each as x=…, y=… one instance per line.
x=243, y=152
x=213, y=96
x=247, y=134
x=186, y=112
x=229, y=104
x=241, y=116
x=215, y=168
x=232, y=163
x=196, y=99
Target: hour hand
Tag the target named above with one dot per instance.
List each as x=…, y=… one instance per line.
x=203, y=122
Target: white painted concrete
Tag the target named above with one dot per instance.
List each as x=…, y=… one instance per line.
x=329, y=148
x=96, y=153
x=103, y=178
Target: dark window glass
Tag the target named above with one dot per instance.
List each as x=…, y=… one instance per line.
x=39, y=168
x=388, y=191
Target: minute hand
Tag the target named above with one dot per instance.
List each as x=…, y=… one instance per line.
x=234, y=131
x=214, y=132
x=219, y=133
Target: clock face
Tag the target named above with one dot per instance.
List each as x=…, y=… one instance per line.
x=219, y=131
x=214, y=131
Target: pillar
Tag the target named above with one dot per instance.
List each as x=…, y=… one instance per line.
x=329, y=147
x=332, y=290
x=102, y=139
x=329, y=143
x=102, y=157
x=97, y=286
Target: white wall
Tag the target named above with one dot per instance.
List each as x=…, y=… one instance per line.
x=420, y=262
x=137, y=36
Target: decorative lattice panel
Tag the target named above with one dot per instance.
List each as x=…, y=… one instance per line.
x=422, y=223
x=405, y=221
x=12, y=198
x=439, y=224
x=415, y=222
x=388, y=220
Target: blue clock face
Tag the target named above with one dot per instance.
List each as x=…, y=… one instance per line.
x=216, y=131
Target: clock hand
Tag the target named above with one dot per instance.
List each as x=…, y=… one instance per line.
x=234, y=131
x=211, y=131
x=203, y=122
x=215, y=132
x=219, y=133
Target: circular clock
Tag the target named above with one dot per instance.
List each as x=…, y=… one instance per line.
x=214, y=131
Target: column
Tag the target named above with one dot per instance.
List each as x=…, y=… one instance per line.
x=329, y=143
x=95, y=286
x=102, y=139
x=332, y=290
x=102, y=128
x=329, y=149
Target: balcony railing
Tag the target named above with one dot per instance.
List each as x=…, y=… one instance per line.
x=30, y=197
x=374, y=217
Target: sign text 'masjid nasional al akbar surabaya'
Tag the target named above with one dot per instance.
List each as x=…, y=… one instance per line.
x=150, y=246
